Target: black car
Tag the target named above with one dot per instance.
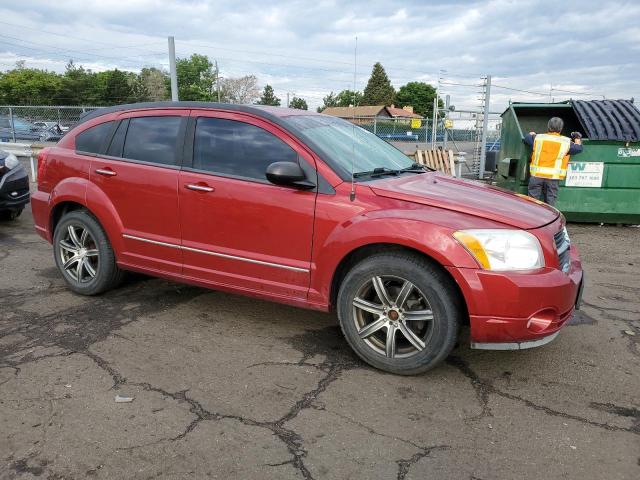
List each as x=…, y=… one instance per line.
x=14, y=186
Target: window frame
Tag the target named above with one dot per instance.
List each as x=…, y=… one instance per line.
x=126, y=117
x=305, y=160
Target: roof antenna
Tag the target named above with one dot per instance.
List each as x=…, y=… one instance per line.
x=352, y=196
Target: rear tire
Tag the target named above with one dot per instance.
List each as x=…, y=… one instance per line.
x=84, y=255
x=399, y=312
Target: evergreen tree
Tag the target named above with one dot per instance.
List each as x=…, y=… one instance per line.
x=379, y=90
x=328, y=101
x=268, y=97
x=299, y=103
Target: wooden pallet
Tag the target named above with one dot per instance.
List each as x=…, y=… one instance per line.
x=441, y=160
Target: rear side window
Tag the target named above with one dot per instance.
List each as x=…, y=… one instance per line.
x=93, y=139
x=152, y=139
x=237, y=149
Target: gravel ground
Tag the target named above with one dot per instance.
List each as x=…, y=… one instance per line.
x=230, y=387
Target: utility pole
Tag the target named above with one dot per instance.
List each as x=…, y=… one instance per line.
x=485, y=126
x=287, y=99
x=434, y=122
x=218, y=81
x=172, y=70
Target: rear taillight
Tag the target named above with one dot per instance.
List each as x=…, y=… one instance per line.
x=42, y=165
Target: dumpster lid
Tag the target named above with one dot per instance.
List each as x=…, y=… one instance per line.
x=609, y=119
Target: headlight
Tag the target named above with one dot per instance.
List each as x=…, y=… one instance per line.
x=10, y=161
x=502, y=249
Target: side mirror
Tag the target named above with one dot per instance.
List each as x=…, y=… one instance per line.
x=289, y=174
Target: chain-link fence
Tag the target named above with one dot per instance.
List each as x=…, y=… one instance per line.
x=420, y=130
x=30, y=124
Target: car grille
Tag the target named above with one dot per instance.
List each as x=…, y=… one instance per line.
x=563, y=247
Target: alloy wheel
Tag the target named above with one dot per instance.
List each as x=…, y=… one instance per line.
x=393, y=317
x=79, y=254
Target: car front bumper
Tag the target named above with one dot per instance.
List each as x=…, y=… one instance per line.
x=513, y=311
x=14, y=189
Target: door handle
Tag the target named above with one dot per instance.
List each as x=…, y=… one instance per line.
x=106, y=171
x=199, y=188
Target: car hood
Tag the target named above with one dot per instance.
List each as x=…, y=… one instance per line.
x=465, y=196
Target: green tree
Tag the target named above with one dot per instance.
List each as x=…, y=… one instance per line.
x=78, y=87
x=154, y=82
x=328, y=101
x=28, y=86
x=379, y=90
x=419, y=95
x=196, y=78
x=268, y=97
x=117, y=87
x=347, y=98
x=299, y=103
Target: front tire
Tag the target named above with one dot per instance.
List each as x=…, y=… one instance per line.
x=84, y=255
x=399, y=312
x=10, y=214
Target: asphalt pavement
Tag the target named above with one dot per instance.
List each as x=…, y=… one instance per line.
x=222, y=386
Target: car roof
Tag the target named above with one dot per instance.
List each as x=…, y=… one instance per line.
x=277, y=115
x=260, y=110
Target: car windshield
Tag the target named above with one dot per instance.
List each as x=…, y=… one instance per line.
x=345, y=143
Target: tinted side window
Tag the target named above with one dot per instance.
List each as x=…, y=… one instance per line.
x=92, y=140
x=236, y=148
x=152, y=139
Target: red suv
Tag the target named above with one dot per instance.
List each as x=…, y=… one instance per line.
x=260, y=201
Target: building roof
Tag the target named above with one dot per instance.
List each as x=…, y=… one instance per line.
x=348, y=112
x=369, y=111
x=402, y=113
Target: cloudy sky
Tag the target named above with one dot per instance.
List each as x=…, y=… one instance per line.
x=549, y=49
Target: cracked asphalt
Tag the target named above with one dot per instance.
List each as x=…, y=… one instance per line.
x=231, y=387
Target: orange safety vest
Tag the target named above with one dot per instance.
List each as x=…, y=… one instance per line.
x=550, y=156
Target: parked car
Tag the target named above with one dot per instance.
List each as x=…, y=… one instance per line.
x=25, y=130
x=14, y=186
x=260, y=201
x=52, y=126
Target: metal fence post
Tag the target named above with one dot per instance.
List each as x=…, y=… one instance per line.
x=375, y=125
x=485, y=126
x=13, y=127
x=446, y=116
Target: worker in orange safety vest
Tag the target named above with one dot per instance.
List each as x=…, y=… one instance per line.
x=549, y=159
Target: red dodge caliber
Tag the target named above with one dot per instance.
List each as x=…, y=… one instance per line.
x=308, y=210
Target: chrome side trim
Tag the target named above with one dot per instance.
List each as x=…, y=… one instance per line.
x=216, y=254
x=155, y=242
x=515, y=345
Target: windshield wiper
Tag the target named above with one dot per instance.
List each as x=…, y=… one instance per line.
x=414, y=167
x=379, y=171
x=376, y=172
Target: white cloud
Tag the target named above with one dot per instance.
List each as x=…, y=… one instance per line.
x=307, y=47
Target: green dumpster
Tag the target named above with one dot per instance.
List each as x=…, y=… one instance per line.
x=603, y=182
